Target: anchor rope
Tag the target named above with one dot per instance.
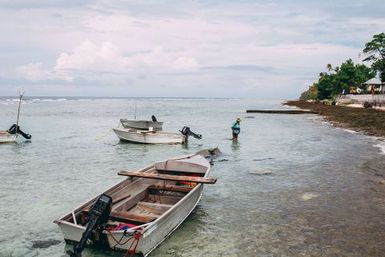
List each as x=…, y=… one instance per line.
x=131, y=252
x=134, y=244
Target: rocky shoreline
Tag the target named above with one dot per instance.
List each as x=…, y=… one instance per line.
x=368, y=121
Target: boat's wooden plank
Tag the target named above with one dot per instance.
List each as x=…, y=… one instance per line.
x=136, y=196
x=118, y=199
x=173, y=188
x=126, y=216
x=210, y=180
x=165, y=171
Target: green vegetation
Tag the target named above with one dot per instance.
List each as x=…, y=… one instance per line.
x=341, y=79
x=310, y=94
x=376, y=51
x=349, y=76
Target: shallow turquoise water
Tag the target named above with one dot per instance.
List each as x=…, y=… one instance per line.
x=291, y=186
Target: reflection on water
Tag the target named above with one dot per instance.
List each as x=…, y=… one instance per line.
x=235, y=145
x=296, y=187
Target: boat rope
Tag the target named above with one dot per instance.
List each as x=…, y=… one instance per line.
x=136, y=235
x=132, y=249
x=119, y=242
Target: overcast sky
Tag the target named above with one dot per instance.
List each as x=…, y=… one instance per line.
x=255, y=49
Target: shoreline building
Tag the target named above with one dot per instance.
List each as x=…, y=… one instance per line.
x=374, y=86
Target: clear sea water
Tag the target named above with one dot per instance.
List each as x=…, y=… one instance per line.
x=292, y=186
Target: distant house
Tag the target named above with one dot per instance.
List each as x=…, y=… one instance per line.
x=374, y=86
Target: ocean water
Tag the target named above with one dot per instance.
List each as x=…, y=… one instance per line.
x=292, y=186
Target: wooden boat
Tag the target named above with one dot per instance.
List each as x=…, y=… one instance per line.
x=141, y=124
x=145, y=208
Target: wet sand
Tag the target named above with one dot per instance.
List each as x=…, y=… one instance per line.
x=369, y=121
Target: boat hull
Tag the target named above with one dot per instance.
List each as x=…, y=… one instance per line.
x=171, y=208
x=163, y=227
x=146, y=137
x=141, y=124
x=6, y=137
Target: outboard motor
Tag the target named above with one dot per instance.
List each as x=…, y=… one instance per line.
x=16, y=129
x=97, y=219
x=154, y=118
x=187, y=132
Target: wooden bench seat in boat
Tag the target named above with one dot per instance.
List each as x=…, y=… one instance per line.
x=173, y=188
x=209, y=180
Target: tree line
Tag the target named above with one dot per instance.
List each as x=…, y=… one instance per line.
x=349, y=76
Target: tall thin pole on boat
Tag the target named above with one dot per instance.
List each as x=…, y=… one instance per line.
x=18, y=111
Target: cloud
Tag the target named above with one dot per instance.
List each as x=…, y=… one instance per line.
x=35, y=4
x=88, y=59
x=35, y=72
x=108, y=57
x=242, y=67
x=170, y=47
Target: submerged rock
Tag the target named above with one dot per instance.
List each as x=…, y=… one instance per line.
x=263, y=159
x=45, y=243
x=261, y=172
x=308, y=196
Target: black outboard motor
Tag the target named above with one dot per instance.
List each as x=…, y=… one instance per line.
x=97, y=219
x=154, y=118
x=187, y=132
x=16, y=129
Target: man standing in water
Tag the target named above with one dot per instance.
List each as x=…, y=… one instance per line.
x=236, y=128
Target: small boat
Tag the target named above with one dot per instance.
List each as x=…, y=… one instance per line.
x=153, y=136
x=142, y=124
x=138, y=213
x=11, y=135
x=6, y=137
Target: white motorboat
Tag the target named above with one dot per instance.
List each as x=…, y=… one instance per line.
x=154, y=137
x=141, y=124
x=6, y=137
x=12, y=134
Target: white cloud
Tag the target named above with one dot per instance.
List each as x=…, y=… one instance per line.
x=89, y=57
x=33, y=72
x=168, y=46
x=107, y=57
